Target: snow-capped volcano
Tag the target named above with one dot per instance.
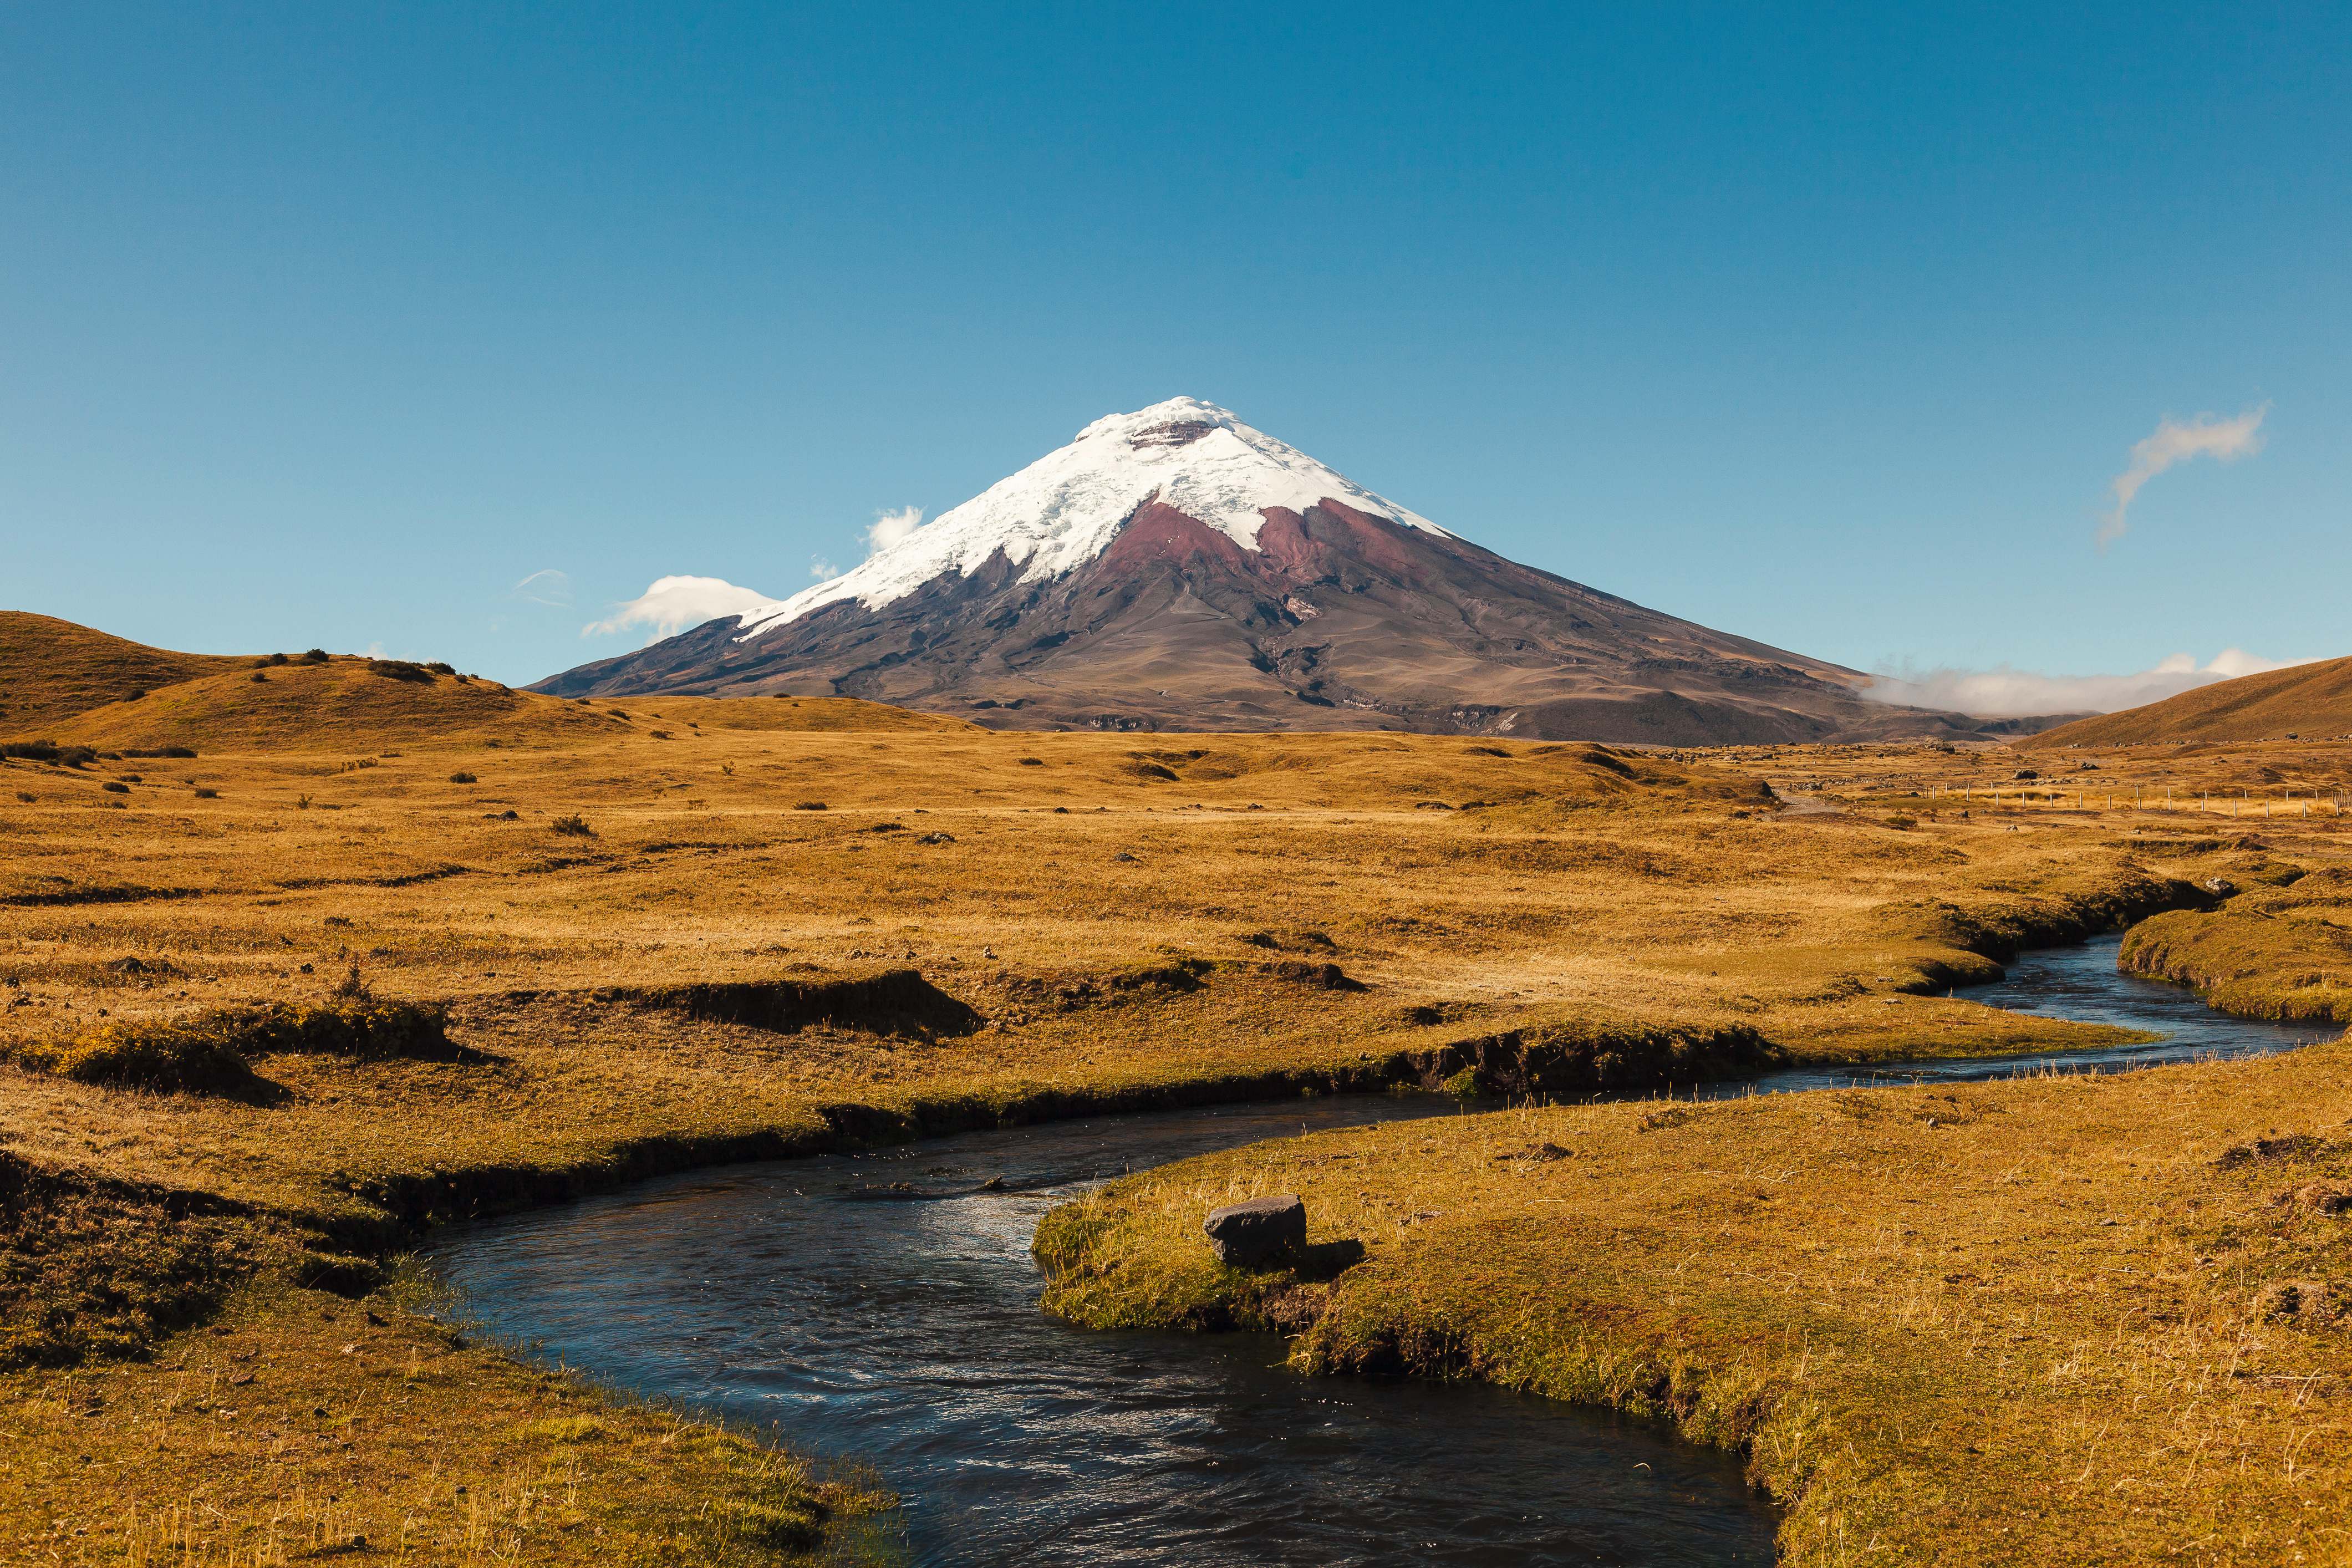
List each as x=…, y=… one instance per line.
x=1065, y=509
x=1174, y=568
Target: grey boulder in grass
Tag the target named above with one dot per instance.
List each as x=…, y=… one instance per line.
x=1259, y=1231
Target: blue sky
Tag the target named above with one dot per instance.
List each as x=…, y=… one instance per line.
x=1834, y=327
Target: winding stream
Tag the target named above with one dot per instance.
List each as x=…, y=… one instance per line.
x=850, y=1305
x=2082, y=984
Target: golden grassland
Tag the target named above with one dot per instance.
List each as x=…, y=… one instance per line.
x=2057, y=1319
x=624, y=938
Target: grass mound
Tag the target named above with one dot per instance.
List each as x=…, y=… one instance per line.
x=213, y=1053
x=897, y=1001
x=2255, y=965
x=1580, y=1057
x=2000, y=927
x=91, y=1269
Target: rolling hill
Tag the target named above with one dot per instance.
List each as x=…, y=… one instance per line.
x=74, y=685
x=2307, y=702
x=56, y=669
x=347, y=703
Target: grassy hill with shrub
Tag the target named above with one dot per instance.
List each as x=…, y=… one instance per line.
x=331, y=703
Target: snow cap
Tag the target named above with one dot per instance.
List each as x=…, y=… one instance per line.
x=1065, y=509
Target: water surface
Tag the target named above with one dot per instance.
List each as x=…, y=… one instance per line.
x=905, y=1331
x=2082, y=984
x=846, y=1303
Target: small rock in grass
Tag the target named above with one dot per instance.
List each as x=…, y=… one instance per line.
x=1259, y=1231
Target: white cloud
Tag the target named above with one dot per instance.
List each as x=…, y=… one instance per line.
x=2005, y=693
x=891, y=527
x=545, y=587
x=2177, y=441
x=673, y=603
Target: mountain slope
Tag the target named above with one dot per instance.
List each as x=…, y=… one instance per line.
x=2310, y=700
x=1176, y=569
x=56, y=669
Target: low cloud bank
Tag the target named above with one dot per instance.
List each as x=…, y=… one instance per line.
x=2002, y=692
x=673, y=603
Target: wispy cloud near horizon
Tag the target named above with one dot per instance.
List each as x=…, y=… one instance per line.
x=2003, y=693
x=546, y=586
x=670, y=605
x=2177, y=441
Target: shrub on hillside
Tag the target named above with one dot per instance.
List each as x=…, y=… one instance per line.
x=313, y=656
x=438, y=668
x=157, y=751
x=400, y=669
x=462, y=777
x=49, y=751
x=575, y=827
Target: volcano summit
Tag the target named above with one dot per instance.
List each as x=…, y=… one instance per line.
x=1175, y=569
